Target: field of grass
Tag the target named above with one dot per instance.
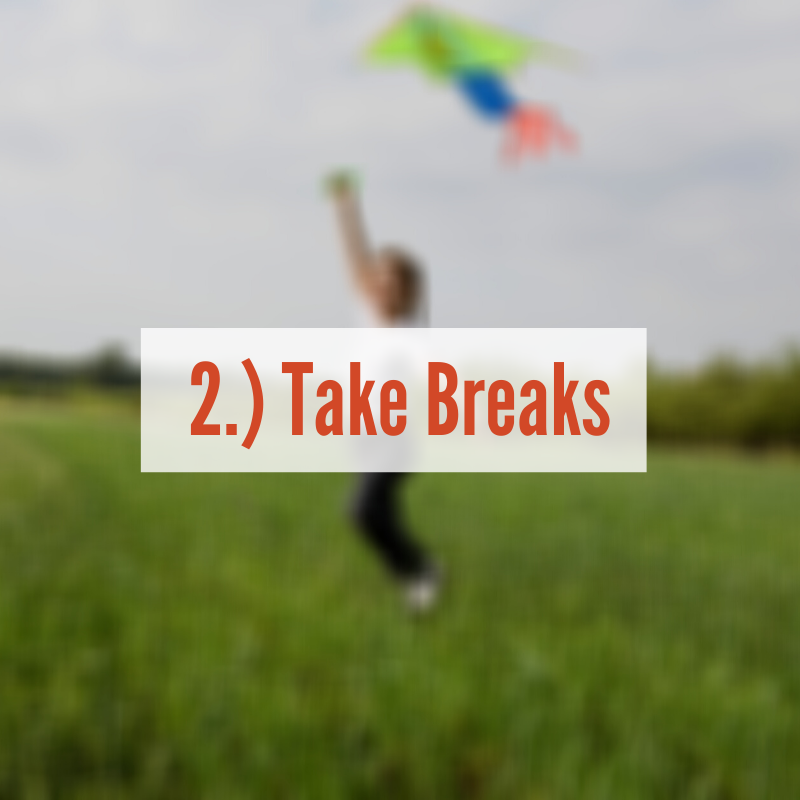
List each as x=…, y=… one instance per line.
x=632, y=636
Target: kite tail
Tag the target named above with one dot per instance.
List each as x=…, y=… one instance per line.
x=536, y=129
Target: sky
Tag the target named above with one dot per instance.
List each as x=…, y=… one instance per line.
x=161, y=166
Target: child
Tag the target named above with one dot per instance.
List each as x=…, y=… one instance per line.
x=390, y=282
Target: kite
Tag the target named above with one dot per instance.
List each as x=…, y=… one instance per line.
x=477, y=58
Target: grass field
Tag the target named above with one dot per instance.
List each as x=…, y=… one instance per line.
x=633, y=636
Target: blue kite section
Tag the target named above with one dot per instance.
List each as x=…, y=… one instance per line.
x=488, y=93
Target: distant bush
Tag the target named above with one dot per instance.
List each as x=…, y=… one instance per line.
x=727, y=402
x=107, y=370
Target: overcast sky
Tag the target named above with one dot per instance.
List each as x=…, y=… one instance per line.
x=160, y=164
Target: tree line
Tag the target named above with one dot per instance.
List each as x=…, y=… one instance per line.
x=726, y=401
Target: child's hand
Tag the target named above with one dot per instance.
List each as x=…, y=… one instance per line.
x=341, y=183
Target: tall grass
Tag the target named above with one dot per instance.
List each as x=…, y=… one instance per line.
x=228, y=636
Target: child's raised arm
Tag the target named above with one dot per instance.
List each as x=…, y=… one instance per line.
x=358, y=251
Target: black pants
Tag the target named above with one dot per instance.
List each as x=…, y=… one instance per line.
x=376, y=514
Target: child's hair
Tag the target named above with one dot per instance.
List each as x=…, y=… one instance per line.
x=409, y=275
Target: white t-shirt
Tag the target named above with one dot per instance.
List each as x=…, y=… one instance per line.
x=384, y=453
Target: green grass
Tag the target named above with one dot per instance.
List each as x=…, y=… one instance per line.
x=632, y=636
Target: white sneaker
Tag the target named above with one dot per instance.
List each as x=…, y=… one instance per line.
x=422, y=593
